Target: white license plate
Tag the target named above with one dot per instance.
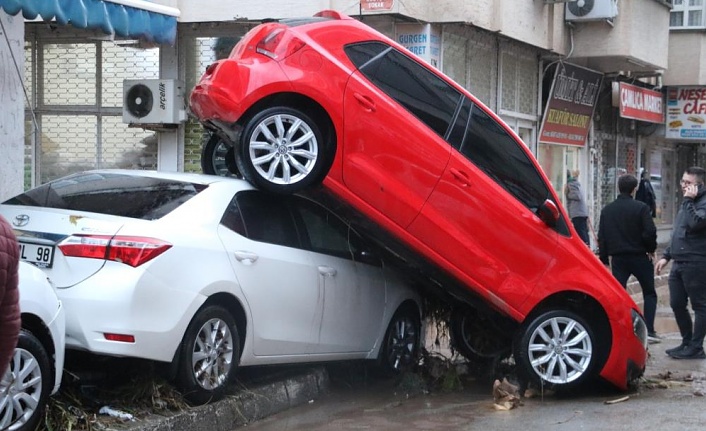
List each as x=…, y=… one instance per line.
x=40, y=255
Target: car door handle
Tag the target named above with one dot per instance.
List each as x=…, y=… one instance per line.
x=327, y=271
x=245, y=257
x=460, y=176
x=365, y=101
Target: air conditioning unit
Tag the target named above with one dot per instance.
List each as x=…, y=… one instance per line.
x=591, y=10
x=153, y=101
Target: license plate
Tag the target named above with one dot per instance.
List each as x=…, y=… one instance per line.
x=40, y=255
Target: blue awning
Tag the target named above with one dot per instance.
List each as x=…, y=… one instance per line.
x=138, y=19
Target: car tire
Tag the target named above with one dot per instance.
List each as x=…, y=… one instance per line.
x=557, y=350
x=282, y=151
x=476, y=337
x=400, y=346
x=32, y=362
x=218, y=157
x=209, y=355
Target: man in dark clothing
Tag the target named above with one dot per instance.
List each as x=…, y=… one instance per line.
x=687, y=278
x=628, y=235
x=9, y=294
x=645, y=193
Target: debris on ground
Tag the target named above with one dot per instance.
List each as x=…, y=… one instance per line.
x=107, y=410
x=617, y=400
x=506, y=395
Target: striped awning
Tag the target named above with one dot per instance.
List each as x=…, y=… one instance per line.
x=137, y=19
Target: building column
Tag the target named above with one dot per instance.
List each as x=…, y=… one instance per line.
x=170, y=144
x=12, y=115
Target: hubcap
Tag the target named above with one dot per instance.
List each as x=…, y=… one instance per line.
x=560, y=350
x=402, y=343
x=283, y=149
x=212, y=357
x=20, y=390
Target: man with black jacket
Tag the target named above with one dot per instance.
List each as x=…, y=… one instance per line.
x=627, y=239
x=687, y=277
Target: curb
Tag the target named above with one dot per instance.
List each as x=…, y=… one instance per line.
x=248, y=403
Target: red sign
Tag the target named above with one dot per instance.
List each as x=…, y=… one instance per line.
x=375, y=5
x=638, y=103
x=569, y=110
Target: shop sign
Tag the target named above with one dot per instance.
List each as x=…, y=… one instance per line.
x=424, y=40
x=686, y=113
x=376, y=5
x=567, y=117
x=638, y=103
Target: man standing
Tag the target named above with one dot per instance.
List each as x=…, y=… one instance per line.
x=576, y=206
x=627, y=239
x=687, y=278
x=9, y=294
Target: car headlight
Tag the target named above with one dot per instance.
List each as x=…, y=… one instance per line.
x=639, y=328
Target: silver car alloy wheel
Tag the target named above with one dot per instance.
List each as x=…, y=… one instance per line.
x=402, y=343
x=283, y=149
x=560, y=350
x=21, y=390
x=212, y=356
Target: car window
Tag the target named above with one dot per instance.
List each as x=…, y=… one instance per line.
x=325, y=232
x=262, y=217
x=413, y=86
x=495, y=152
x=110, y=193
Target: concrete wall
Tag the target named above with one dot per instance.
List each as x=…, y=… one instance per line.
x=687, y=59
x=531, y=21
x=640, y=31
x=12, y=103
x=229, y=10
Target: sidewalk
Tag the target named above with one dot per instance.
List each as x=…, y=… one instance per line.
x=258, y=398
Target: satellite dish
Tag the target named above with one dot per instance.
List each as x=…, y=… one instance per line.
x=139, y=100
x=581, y=7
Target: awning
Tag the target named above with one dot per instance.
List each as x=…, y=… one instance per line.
x=138, y=19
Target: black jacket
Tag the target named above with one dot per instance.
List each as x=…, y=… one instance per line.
x=626, y=227
x=689, y=235
x=645, y=193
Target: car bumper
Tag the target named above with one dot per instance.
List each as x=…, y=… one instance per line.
x=57, y=329
x=628, y=356
x=213, y=104
x=229, y=88
x=141, y=305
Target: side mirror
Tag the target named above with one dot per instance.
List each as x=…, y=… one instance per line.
x=548, y=212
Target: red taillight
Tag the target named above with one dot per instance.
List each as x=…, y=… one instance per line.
x=123, y=338
x=130, y=250
x=278, y=44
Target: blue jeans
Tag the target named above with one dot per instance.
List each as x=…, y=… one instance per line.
x=642, y=268
x=687, y=282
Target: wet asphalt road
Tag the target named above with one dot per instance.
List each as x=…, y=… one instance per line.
x=670, y=398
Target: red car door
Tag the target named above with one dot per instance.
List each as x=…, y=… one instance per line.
x=392, y=158
x=481, y=216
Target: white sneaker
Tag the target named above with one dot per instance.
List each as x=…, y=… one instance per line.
x=654, y=338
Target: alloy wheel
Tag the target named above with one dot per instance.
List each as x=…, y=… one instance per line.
x=212, y=356
x=560, y=350
x=283, y=149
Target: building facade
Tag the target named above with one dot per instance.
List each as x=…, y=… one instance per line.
x=505, y=52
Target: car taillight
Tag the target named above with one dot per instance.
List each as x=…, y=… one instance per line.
x=277, y=45
x=130, y=250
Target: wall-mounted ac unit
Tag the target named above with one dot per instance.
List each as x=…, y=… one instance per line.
x=591, y=10
x=153, y=101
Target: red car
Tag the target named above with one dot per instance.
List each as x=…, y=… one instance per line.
x=328, y=100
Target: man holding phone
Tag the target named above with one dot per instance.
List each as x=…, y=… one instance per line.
x=687, y=278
